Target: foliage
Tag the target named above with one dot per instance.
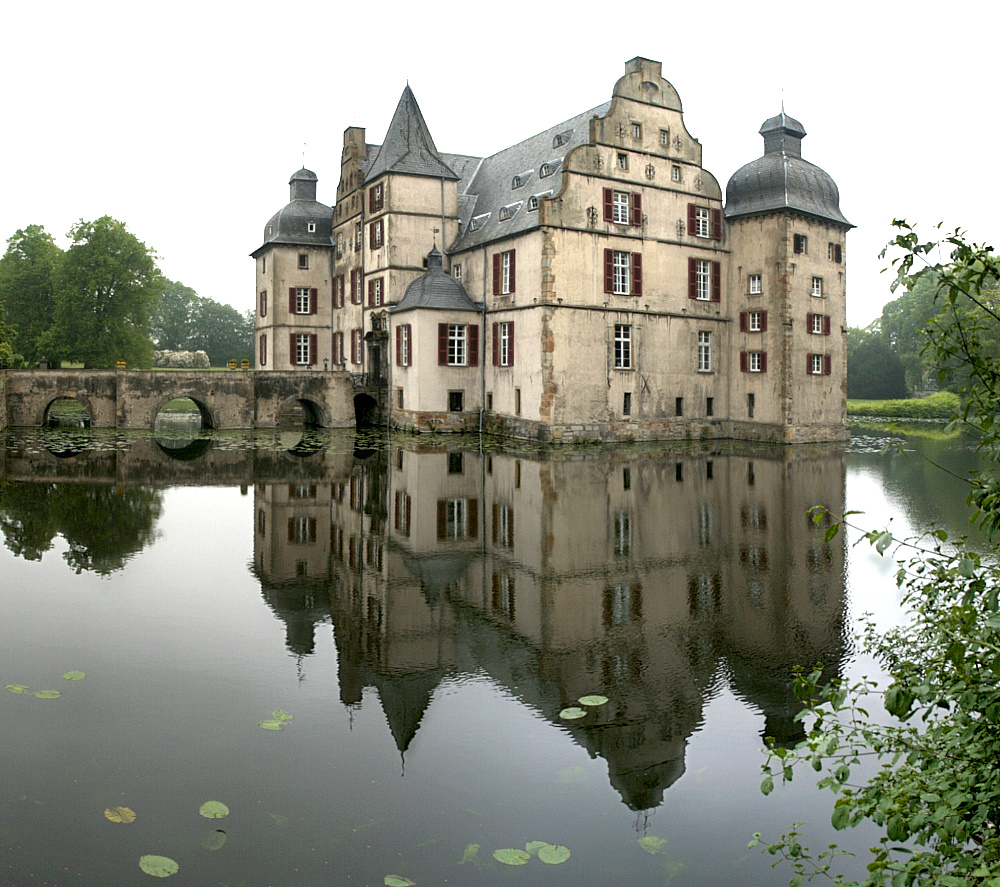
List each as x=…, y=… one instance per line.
x=935, y=794
x=27, y=289
x=874, y=370
x=186, y=321
x=106, y=288
x=942, y=405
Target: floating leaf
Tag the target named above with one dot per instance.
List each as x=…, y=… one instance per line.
x=47, y=694
x=592, y=700
x=534, y=846
x=16, y=688
x=120, y=814
x=280, y=715
x=511, y=856
x=652, y=844
x=75, y=675
x=471, y=854
x=398, y=881
x=553, y=854
x=213, y=810
x=572, y=713
x=214, y=840
x=271, y=725
x=158, y=866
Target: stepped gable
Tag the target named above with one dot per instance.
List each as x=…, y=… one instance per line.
x=781, y=179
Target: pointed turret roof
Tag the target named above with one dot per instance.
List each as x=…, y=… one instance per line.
x=408, y=147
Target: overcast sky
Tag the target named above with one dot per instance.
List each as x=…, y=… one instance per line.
x=185, y=120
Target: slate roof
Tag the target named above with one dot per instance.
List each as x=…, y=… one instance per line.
x=408, y=147
x=490, y=190
x=436, y=290
x=290, y=224
x=781, y=179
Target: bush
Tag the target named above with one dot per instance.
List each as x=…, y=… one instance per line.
x=941, y=405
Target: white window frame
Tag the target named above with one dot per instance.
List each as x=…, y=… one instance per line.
x=456, y=518
x=754, y=321
x=303, y=261
x=636, y=130
x=302, y=349
x=703, y=280
x=817, y=325
x=404, y=345
x=622, y=162
x=621, y=208
x=359, y=287
x=817, y=361
x=503, y=343
x=302, y=302
x=377, y=292
x=621, y=264
x=623, y=346
x=664, y=138
x=359, y=344
x=458, y=352
x=702, y=222
x=754, y=285
x=340, y=244
x=754, y=361
x=704, y=351
x=505, y=272
x=675, y=173
x=817, y=287
x=457, y=272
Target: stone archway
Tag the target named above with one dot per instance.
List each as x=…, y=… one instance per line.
x=366, y=411
x=301, y=412
x=67, y=411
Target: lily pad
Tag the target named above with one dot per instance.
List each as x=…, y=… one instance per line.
x=75, y=675
x=652, y=844
x=158, y=866
x=398, y=881
x=572, y=713
x=16, y=688
x=511, y=856
x=47, y=694
x=120, y=814
x=471, y=854
x=534, y=846
x=592, y=700
x=214, y=840
x=553, y=854
x=213, y=810
x=271, y=725
x=280, y=715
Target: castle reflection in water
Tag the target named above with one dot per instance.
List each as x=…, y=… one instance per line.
x=648, y=577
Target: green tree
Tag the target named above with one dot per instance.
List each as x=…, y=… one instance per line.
x=106, y=290
x=186, y=321
x=27, y=281
x=936, y=791
x=874, y=370
x=174, y=324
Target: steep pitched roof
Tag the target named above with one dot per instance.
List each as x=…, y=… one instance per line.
x=408, y=147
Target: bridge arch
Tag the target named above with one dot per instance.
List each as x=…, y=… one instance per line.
x=299, y=410
x=209, y=418
x=48, y=416
x=366, y=411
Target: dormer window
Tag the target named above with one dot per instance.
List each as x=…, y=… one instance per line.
x=515, y=183
x=532, y=203
x=479, y=221
x=543, y=173
x=311, y=227
x=509, y=211
x=562, y=138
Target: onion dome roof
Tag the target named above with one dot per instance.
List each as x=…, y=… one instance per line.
x=304, y=221
x=436, y=290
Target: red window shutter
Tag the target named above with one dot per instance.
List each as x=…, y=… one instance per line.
x=609, y=197
x=291, y=348
x=354, y=285
x=636, y=274
x=371, y=293
x=313, y=348
x=472, y=333
x=827, y=364
x=716, y=224
x=743, y=322
x=716, y=281
x=381, y=232
x=442, y=518
x=409, y=345
x=692, y=219
x=510, y=343
x=743, y=361
x=496, y=522
x=313, y=300
x=496, y=344
x=692, y=278
x=637, y=209
x=826, y=325
x=809, y=322
x=763, y=361
x=371, y=199
x=354, y=347
x=763, y=321
x=512, y=275
x=262, y=359
x=442, y=344
x=291, y=300
x=609, y=271
x=291, y=529
x=399, y=352
x=472, y=509
x=371, y=236
x=496, y=274
x=809, y=363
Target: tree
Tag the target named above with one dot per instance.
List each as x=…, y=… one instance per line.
x=107, y=286
x=173, y=323
x=937, y=787
x=27, y=281
x=186, y=321
x=874, y=371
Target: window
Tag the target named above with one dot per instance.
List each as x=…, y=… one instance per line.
x=623, y=534
x=399, y=398
x=515, y=183
x=517, y=412
x=503, y=343
x=456, y=520
x=263, y=349
x=817, y=286
x=562, y=138
x=301, y=530
x=623, y=346
x=818, y=324
x=404, y=345
x=709, y=408
x=704, y=222
x=263, y=303
x=375, y=292
x=338, y=291
x=678, y=406
x=376, y=234
x=508, y=212
x=753, y=361
x=664, y=138
x=675, y=173
x=627, y=404
x=532, y=203
x=457, y=271
x=751, y=403
x=835, y=253
x=504, y=273
x=376, y=198
x=819, y=364
x=303, y=261
x=263, y=259
x=458, y=344
x=356, y=283
x=800, y=244
x=340, y=244
x=754, y=284
x=302, y=301
x=704, y=352
x=753, y=321
x=456, y=463
x=622, y=273
x=636, y=130
x=455, y=401
x=622, y=162
x=338, y=349
x=622, y=207
x=357, y=344
x=704, y=280
x=357, y=235
x=503, y=525
x=311, y=227
x=545, y=170
x=302, y=349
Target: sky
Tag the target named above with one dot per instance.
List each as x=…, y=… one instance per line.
x=186, y=120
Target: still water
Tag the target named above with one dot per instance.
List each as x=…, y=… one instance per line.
x=425, y=611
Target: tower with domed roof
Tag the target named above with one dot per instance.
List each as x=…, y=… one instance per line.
x=788, y=261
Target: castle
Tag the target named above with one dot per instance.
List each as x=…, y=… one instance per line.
x=585, y=283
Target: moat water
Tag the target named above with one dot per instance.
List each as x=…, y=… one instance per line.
x=426, y=610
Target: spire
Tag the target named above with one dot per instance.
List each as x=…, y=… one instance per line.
x=783, y=134
x=408, y=147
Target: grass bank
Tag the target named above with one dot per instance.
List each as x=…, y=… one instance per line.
x=940, y=406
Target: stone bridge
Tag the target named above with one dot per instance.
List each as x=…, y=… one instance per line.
x=131, y=399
